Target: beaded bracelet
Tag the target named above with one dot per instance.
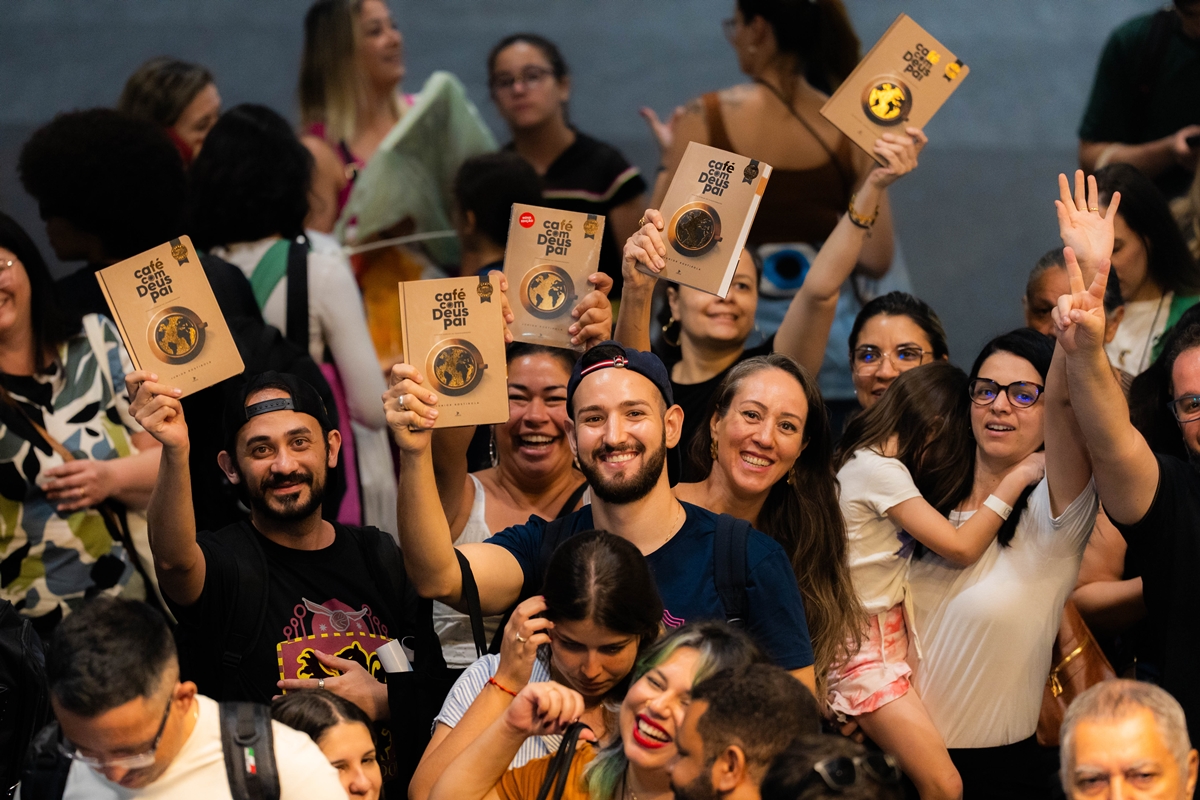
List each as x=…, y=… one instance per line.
x=863, y=222
x=504, y=689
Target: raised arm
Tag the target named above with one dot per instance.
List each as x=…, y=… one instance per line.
x=645, y=247
x=425, y=539
x=540, y=709
x=965, y=544
x=1125, y=467
x=178, y=559
x=804, y=331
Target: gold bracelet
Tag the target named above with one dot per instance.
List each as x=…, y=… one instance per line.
x=863, y=222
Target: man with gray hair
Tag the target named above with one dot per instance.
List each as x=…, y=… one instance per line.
x=1124, y=739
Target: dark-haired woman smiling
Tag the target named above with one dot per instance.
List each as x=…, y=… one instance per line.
x=530, y=86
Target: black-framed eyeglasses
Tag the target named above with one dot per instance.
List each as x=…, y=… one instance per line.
x=1186, y=408
x=841, y=772
x=729, y=27
x=868, y=358
x=135, y=761
x=528, y=77
x=1021, y=394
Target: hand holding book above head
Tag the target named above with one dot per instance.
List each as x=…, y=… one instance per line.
x=156, y=408
x=1079, y=317
x=593, y=314
x=1081, y=224
x=409, y=407
x=900, y=152
x=505, y=308
x=645, y=247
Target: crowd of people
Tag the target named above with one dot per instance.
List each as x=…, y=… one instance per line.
x=773, y=544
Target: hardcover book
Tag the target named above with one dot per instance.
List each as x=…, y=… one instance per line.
x=708, y=210
x=549, y=256
x=168, y=317
x=901, y=82
x=452, y=331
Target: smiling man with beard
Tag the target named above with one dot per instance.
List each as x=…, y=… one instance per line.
x=623, y=420
x=279, y=594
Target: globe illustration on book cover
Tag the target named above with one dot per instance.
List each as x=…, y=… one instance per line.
x=177, y=335
x=547, y=291
x=457, y=366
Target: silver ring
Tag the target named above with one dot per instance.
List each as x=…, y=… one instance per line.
x=320, y=683
x=521, y=639
x=403, y=407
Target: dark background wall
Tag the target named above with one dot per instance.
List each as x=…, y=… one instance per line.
x=971, y=220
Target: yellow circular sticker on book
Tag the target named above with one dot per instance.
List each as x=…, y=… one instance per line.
x=887, y=101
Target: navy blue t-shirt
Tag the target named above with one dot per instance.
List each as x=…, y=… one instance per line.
x=683, y=570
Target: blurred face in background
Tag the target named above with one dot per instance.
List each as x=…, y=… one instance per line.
x=708, y=321
x=380, y=47
x=198, y=118
x=524, y=88
x=1130, y=262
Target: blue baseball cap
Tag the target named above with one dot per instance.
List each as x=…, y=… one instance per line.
x=614, y=355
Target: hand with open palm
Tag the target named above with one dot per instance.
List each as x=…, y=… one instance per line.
x=1081, y=224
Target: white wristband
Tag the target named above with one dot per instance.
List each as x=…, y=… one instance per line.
x=999, y=506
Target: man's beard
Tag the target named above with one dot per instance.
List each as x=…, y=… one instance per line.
x=290, y=507
x=630, y=489
x=699, y=789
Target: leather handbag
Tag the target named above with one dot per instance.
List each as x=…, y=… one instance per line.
x=1077, y=664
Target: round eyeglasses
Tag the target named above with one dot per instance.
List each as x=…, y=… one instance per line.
x=1021, y=394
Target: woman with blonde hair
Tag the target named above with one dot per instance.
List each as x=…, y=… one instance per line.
x=351, y=69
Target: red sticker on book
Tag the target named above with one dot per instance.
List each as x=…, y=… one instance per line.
x=526, y=220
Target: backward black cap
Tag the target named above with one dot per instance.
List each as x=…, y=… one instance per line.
x=612, y=354
x=302, y=397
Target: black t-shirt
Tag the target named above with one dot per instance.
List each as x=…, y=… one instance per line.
x=327, y=593
x=697, y=401
x=1167, y=541
x=592, y=177
x=683, y=570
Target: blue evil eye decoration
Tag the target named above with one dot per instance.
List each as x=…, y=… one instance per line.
x=785, y=266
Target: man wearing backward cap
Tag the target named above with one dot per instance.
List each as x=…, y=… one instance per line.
x=284, y=592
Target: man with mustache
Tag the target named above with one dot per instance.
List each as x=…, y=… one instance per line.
x=329, y=588
x=622, y=421
x=1153, y=499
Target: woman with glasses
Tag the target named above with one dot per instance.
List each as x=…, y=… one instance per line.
x=902, y=466
x=815, y=767
x=530, y=85
x=891, y=335
x=707, y=334
x=986, y=630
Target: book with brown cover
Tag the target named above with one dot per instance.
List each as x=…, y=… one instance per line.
x=548, y=259
x=168, y=317
x=708, y=210
x=900, y=83
x=452, y=331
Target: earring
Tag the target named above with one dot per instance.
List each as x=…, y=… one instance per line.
x=792, y=476
x=666, y=329
x=492, y=448
x=712, y=449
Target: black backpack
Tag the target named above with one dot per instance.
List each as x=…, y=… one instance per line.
x=24, y=695
x=246, y=739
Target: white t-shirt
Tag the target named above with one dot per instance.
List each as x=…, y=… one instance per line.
x=198, y=772
x=987, y=630
x=879, y=554
x=1144, y=323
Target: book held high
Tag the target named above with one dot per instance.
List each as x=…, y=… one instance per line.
x=168, y=317
x=708, y=211
x=452, y=331
x=548, y=259
x=900, y=83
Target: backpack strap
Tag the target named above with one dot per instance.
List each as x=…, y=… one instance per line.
x=297, y=294
x=251, y=594
x=269, y=271
x=730, y=568
x=46, y=767
x=249, y=746
x=471, y=592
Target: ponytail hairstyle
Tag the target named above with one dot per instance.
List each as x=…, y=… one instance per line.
x=718, y=645
x=817, y=32
x=1038, y=350
x=603, y=578
x=801, y=512
x=928, y=411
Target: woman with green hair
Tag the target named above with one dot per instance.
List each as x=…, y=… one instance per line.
x=633, y=764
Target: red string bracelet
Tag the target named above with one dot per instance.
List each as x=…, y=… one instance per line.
x=504, y=689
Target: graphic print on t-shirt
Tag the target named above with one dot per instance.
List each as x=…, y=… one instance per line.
x=331, y=627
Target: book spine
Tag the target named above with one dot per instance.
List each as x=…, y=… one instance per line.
x=404, y=338
x=744, y=233
x=119, y=322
